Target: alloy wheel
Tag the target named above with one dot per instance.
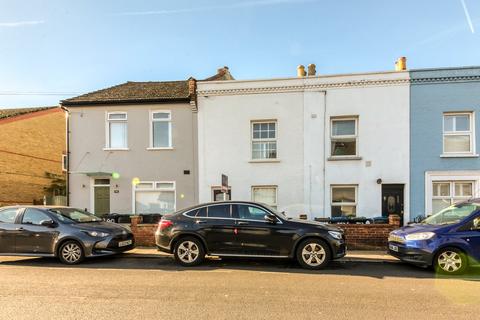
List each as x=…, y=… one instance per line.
x=188, y=251
x=71, y=252
x=450, y=261
x=313, y=254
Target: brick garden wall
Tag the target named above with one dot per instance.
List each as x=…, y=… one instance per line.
x=358, y=236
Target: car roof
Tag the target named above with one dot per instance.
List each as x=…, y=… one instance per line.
x=33, y=206
x=219, y=202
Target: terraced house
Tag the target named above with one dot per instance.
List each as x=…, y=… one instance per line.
x=133, y=147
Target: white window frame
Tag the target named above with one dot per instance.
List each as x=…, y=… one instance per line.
x=153, y=188
x=64, y=162
x=152, y=120
x=470, y=133
x=334, y=138
x=107, y=129
x=449, y=176
x=339, y=204
x=274, y=205
x=252, y=140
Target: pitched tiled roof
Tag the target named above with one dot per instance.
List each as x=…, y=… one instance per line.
x=135, y=92
x=153, y=91
x=9, y=113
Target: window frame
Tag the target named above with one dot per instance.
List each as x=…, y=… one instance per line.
x=266, y=140
x=470, y=133
x=252, y=190
x=334, y=138
x=339, y=204
x=452, y=197
x=108, y=121
x=153, y=188
x=170, y=124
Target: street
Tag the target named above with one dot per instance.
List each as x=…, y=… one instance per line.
x=156, y=288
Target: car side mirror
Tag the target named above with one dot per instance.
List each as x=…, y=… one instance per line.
x=47, y=223
x=270, y=218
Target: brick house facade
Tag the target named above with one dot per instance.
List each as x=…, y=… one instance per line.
x=32, y=141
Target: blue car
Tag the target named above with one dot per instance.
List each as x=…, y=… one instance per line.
x=448, y=240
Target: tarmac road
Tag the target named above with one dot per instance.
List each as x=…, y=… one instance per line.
x=156, y=288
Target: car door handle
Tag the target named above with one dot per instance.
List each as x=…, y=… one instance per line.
x=201, y=221
x=19, y=229
x=242, y=223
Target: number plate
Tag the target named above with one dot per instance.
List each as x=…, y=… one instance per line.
x=393, y=248
x=125, y=243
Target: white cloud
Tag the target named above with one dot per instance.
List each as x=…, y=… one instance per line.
x=20, y=23
x=243, y=4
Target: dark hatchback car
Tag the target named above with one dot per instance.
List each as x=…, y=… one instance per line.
x=67, y=233
x=247, y=229
x=448, y=240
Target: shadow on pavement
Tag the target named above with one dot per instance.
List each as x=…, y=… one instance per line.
x=166, y=263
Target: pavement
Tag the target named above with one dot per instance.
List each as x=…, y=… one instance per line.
x=142, y=287
x=352, y=255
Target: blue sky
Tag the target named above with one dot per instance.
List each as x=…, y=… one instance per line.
x=48, y=48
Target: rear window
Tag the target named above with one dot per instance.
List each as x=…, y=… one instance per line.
x=219, y=211
x=8, y=215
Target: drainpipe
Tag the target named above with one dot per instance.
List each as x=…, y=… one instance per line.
x=67, y=143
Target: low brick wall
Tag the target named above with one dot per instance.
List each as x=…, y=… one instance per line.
x=366, y=236
x=358, y=236
x=144, y=233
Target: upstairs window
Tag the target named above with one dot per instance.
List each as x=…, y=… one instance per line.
x=117, y=130
x=458, y=133
x=343, y=137
x=264, y=140
x=161, y=129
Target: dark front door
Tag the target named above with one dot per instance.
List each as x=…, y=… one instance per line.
x=31, y=236
x=255, y=236
x=392, y=199
x=7, y=230
x=101, y=200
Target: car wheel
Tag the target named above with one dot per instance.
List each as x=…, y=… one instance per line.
x=451, y=261
x=189, y=252
x=71, y=252
x=313, y=254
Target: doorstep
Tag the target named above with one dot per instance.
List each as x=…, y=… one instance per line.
x=352, y=256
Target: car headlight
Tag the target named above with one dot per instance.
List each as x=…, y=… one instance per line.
x=420, y=236
x=337, y=235
x=97, y=234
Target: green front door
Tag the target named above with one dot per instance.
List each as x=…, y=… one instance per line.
x=102, y=200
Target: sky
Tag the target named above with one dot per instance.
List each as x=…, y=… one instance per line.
x=53, y=50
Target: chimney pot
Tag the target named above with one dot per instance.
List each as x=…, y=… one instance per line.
x=311, y=69
x=401, y=64
x=301, y=71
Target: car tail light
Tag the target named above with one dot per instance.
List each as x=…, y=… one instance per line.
x=164, y=224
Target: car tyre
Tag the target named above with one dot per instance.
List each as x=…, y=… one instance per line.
x=189, y=252
x=450, y=261
x=71, y=252
x=313, y=254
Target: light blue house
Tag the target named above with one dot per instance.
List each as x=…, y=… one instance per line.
x=444, y=138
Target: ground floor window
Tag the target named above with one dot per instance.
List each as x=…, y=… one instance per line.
x=344, y=200
x=154, y=197
x=265, y=194
x=218, y=195
x=446, y=193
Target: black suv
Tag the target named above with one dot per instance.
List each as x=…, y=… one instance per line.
x=246, y=229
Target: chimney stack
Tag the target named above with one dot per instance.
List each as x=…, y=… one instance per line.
x=401, y=64
x=311, y=69
x=301, y=71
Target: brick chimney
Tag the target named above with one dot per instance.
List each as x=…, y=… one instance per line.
x=401, y=64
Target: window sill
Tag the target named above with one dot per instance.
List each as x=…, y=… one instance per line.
x=342, y=158
x=264, y=161
x=459, y=155
x=116, y=149
x=159, y=149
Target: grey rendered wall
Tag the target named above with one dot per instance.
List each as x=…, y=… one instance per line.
x=87, y=141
